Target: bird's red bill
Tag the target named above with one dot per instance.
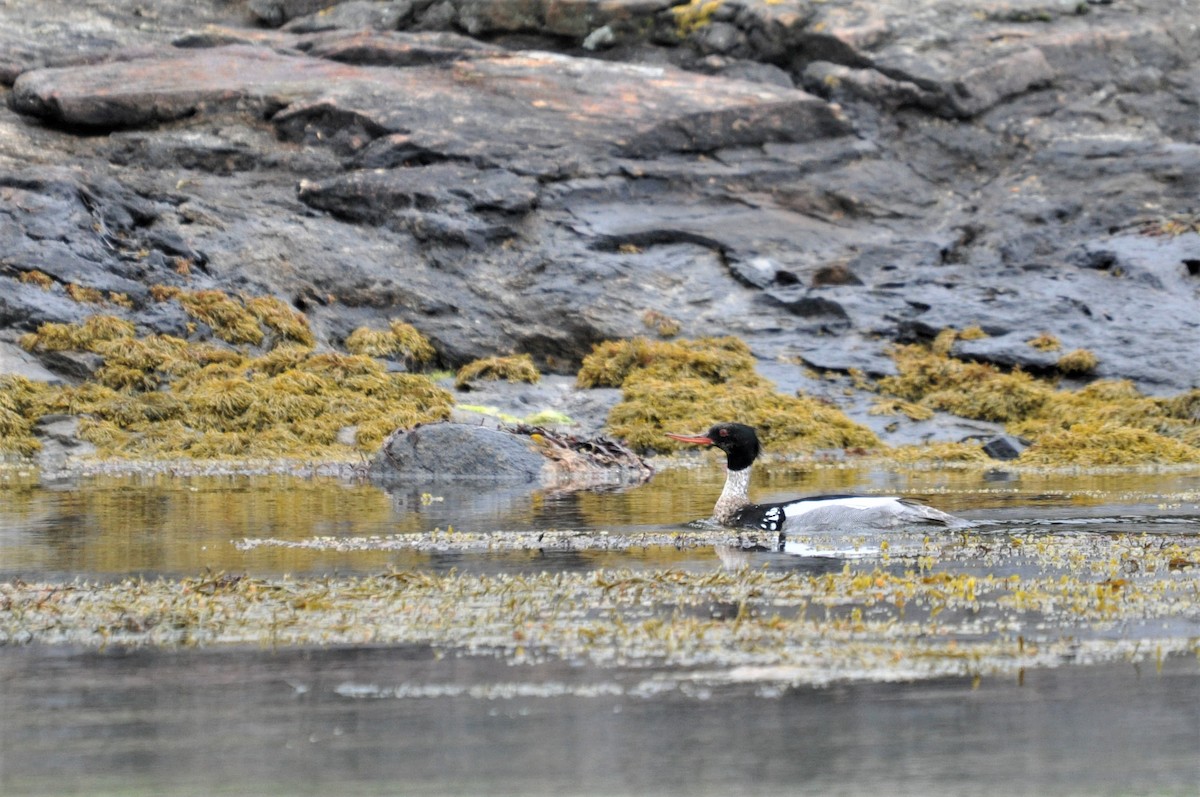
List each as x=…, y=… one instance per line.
x=698, y=439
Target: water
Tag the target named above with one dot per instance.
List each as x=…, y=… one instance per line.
x=237, y=722
x=112, y=527
x=416, y=719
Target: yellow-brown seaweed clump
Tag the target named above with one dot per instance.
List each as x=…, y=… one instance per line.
x=689, y=384
x=226, y=316
x=1105, y=423
x=20, y=401
x=162, y=396
x=1077, y=362
x=398, y=340
x=517, y=368
x=934, y=379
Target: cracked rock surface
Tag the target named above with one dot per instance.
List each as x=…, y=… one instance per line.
x=821, y=179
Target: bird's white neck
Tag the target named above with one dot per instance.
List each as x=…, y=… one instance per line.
x=735, y=495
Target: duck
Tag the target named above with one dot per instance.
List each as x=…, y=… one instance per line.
x=852, y=512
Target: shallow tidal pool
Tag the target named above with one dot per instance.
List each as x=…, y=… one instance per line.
x=318, y=634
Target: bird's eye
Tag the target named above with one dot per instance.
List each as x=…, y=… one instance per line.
x=724, y=433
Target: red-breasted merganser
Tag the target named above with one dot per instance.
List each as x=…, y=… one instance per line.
x=741, y=447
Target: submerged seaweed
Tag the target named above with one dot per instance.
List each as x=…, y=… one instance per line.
x=929, y=612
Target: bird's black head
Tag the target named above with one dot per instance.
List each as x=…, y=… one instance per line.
x=737, y=440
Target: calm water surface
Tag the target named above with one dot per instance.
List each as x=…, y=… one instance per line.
x=409, y=721
x=113, y=527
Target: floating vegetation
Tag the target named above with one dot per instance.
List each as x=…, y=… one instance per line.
x=1044, y=600
x=158, y=396
x=1104, y=423
x=517, y=368
x=690, y=384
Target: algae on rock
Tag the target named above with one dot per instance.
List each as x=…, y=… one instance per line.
x=1104, y=423
x=687, y=385
x=162, y=396
x=517, y=368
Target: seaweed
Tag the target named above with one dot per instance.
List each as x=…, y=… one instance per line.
x=161, y=396
x=1077, y=362
x=1045, y=342
x=690, y=384
x=38, y=278
x=517, y=368
x=399, y=339
x=227, y=317
x=694, y=15
x=970, y=390
x=286, y=323
x=661, y=323
x=1103, y=423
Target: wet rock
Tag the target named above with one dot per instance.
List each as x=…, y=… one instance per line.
x=407, y=197
x=59, y=436
x=452, y=451
x=356, y=15
x=1020, y=166
x=18, y=362
x=553, y=402
x=1004, y=446
x=480, y=452
x=394, y=48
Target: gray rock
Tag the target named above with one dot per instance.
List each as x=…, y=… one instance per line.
x=59, y=436
x=454, y=451
x=1020, y=167
x=1004, y=446
x=18, y=362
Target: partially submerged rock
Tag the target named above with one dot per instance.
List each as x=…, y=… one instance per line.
x=524, y=455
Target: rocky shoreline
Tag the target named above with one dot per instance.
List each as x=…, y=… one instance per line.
x=822, y=180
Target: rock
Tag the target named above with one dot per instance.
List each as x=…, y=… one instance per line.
x=553, y=402
x=453, y=451
x=16, y=361
x=1004, y=446
x=1019, y=166
x=59, y=436
x=355, y=15
x=480, y=452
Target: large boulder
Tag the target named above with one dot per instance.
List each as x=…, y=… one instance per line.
x=457, y=452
